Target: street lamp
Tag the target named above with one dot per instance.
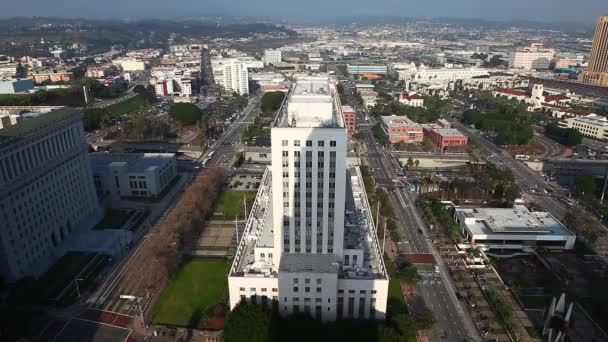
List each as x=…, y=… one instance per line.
x=76, y=280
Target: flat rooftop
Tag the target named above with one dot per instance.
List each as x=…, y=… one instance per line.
x=448, y=132
x=517, y=220
x=398, y=121
x=359, y=234
x=136, y=162
x=311, y=102
x=33, y=124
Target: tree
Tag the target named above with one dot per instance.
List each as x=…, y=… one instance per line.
x=380, y=135
x=186, y=113
x=407, y=327
x=359, y=135
x=407, y=272
x=271, y=102
x=410, y=162
x=388, y=334
x=425, y=318
x=416, y=163
x=248, y=323
x=139, y=89
x=585, y=187
x=564, y=136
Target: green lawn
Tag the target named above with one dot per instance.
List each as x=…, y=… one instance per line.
x=126, y=105
x=199, y=284
x=231, y=203
x=114, y=219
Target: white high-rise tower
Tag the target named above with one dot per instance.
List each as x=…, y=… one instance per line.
x=310, y=244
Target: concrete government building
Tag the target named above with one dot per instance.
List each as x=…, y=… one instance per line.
x=46, y=191
x=310, y=245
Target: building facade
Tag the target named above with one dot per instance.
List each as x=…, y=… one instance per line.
x=272, y=56
x=350, y=120
x=366, y=69
x=592, y=125
x=231, y=74
x=597, y=72
x=533, y=57
x=46, y=190
x=310, y=245
x=402, y=129
x=133, y=175
x=414, y=100
x=443, y=138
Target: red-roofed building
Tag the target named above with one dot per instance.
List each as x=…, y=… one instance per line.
x=535, y=100
x=270, y=88
x=421, y=259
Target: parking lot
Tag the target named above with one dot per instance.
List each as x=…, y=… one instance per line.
x=245, y=181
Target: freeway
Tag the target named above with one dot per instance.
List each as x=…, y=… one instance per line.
x=438, y=290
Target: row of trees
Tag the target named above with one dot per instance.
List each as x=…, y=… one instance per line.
x=177, y=233
x=250, y=323
x=564, y=136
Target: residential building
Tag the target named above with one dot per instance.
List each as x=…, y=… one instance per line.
x=310, y=245
x=16, y=86
x=350, y=120
x=402, y=129
x=133, y=174
x=597, y=72
x=512, y=229
x=533, y=57
x=592, y=125
x=414, y=100
x=369, y=98
x=443, y=138
x=366, y=69
x=272, y=56
x=41, y=76
x=8, y=70
x=96, y=72
x=231, y=74
x=47, y=193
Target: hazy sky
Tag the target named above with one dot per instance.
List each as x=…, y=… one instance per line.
x=584, y=11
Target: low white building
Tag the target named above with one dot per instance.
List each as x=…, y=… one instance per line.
x=592, y=125
x=514, y=228
x=414, y=100
x=533, y=57
x=424, y=74
x=272, y=56
x=369, y=98
x=133, y=174
x=130, y=64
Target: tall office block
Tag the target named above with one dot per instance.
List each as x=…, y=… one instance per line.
x=597, y=72
x=310, y=244
x=47, y=192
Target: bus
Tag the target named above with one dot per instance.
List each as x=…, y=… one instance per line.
x=521, y=157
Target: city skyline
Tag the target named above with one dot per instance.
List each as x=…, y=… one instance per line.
x=541, y=11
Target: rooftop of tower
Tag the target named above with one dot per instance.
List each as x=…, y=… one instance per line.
x=359, y=234
x=311, y=102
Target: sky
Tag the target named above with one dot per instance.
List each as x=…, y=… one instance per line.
x=581, y=11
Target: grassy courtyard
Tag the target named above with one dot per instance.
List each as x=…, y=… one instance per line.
x=199, y=284
x=231, y=203
x=127, y=105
